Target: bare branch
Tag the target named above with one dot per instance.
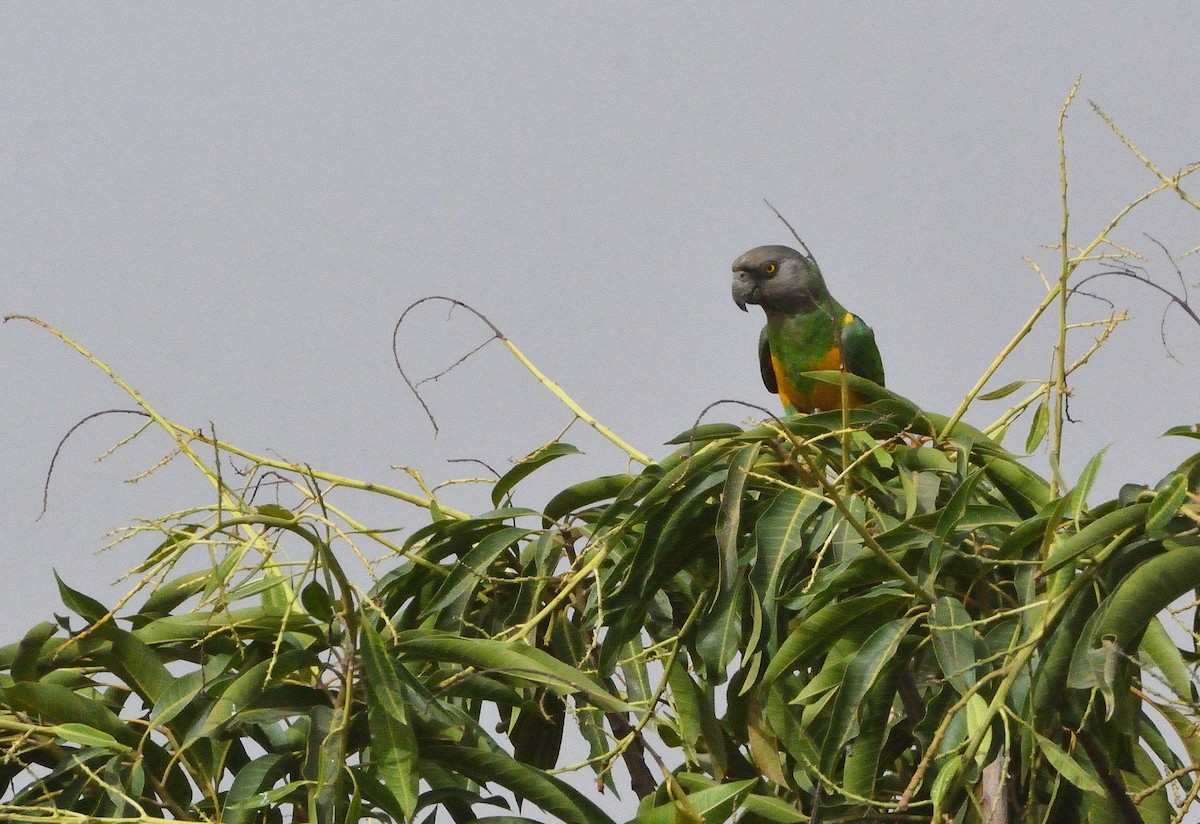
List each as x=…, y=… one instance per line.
x=496, y=333
x=62, y=443
x=795, y=234
x=1179, y=299
x=633, y=453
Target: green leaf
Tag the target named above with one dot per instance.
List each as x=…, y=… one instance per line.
x=977, y=719
x=698, y=723
x=1185, y=727
x=175, y=544
x=861, y=771
x=1164, y=655
x=246, y=794
x=868, y=664
x=139, y=667
x=762, y=742
x=1025, y=490
x=1003, y=391
x=773, y=809
x=950, y=515
x=324, y=762
x=817, y=631
x=552, y=795
x=1083, y=488
x=394, y=758
x=56, y=705
x=473, y=567
x=953, y=642
x=706, y=432
x=317, y=602
x=944, y=784
x=85, y=606
x=393, y=741
x=513, y=659
x=718, y=635
x=582, y=494
x=87, y=736
x=1154, y=740
x=528, y=465
x=635, y=674
x=1147, y=591
x=1166, y=504
x=1098, y=532
x=275, y=511
x=379, y=667
x=25, y=663
x=680, y=474
x=1068, y=767
x=678, y=531
x=1156, y=805
x=924, y=458
x=245, y=807
x=1037, y=429
x=251, y=622
x=779, y=534
x=1192, y=431
x=180, y=695
x=713, y=803
x=729, y=516
x=246, y=687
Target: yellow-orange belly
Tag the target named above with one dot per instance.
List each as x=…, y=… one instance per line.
x=816, y=397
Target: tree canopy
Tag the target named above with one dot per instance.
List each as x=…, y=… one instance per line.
x=879, y=614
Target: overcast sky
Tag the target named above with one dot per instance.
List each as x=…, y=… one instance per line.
x=232, y=204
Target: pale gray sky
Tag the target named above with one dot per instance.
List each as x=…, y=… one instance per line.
x=232, y=204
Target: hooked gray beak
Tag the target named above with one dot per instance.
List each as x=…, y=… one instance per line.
x=745, y=290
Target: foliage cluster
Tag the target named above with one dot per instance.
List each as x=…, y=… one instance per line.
x=879, y=614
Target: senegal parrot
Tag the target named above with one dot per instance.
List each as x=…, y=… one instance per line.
x=807, y=330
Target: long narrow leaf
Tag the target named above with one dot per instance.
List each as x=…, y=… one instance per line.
x=729, y=518
x=864, y=670
x=512, y=659
x=814, y=634
x=953, y=642
x=557, y=798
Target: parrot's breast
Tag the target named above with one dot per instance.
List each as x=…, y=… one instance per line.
x=815, y=396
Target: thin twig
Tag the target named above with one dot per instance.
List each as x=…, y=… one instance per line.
x=1059, y=367
x=62, y=442
x=636, y=455
x=795, y=234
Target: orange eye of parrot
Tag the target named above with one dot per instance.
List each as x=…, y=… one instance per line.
x=770, y=268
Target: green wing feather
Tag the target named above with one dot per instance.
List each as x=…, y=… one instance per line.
x=860, y=355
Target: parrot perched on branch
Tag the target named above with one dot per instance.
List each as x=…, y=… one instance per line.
x=807, y=330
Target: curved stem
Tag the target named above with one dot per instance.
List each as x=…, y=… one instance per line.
x=1059, y=368
x=555, y=389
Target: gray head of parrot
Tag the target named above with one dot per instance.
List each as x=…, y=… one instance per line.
x=777, y=278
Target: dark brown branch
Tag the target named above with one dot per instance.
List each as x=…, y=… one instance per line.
x=1173, y=299
x=454, y=365
x=496, y=335
x=1111, y=778
x=1177, y=300
x=795, y=234
x=63, y=442
x=771, y=415
x=910, y=696
x=641, y=781
x=475, y=461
